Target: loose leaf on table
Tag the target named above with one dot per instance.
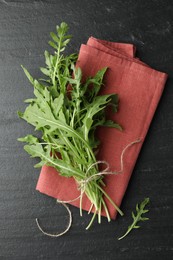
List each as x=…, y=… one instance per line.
x=140, y=210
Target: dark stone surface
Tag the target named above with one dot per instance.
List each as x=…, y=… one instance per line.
x=24, y=32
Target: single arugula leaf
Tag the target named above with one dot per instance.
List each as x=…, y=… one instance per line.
x=57, y=104
x=35, y=149
x=28, y=75
x=110, y=123
x=30, y=139
x=140, y=210
x=96, y=82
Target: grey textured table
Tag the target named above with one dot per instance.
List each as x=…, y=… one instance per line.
x=24, y=32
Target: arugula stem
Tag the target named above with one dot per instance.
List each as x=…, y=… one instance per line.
x=81, y=197
x=106, y=210
x=107, y=196
x=56, y=64
x=92, y=220
x=128, y=231
x=99, y=212
x=89, y=211
x=70, y=145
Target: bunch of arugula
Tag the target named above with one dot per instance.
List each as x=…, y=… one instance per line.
x=67, y=112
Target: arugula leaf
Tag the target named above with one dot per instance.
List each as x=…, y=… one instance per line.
x=140, y=209
x=30, y=139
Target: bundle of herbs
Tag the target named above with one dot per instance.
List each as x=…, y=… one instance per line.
x=66, y=110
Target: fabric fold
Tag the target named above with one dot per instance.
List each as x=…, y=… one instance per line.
x=139, y=88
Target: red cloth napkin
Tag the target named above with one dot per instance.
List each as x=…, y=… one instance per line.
x=139, y=88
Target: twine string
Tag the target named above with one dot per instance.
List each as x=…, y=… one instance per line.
x=61, y=233
x=106, y=170
x=82, y=184
x=69, y=201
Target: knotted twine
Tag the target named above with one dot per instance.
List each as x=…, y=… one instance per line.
x=82, y=185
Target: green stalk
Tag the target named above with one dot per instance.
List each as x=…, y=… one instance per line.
x=68, y=143
x=56, y=65
x=99, y=212
x=80, y=207
x=92, y=220
x=107, y=196
x=106, y=210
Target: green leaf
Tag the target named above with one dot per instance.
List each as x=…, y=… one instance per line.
x=20, y=114
x=29, y=100
x=62, y=29
x=54, y=37
x=62, y=49
x=143, y=219
x=57, y=104
x=28, y=139
x=52, y=44
x=133, y=215
x=139, y=211
x=47, y=58
x=37, y=150
x=45, y=71
x=95, y=82
x=145, y=211
x=110, y=123
x=39, y=118
x=99, y=103
x=66, y=42
x=28, y=75
x=39, y=165
x=136, y=227
x=62, y=117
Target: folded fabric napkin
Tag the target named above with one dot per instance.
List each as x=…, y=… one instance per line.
x=139, y=88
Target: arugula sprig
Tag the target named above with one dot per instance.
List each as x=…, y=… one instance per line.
x=140, y=210
x=67, y=111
